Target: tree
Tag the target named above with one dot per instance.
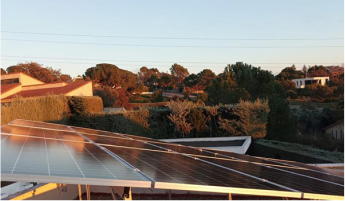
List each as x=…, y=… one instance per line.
x=3, y=71
x=205, y=77
x=317, y=71
x=153, y=80
x=145, y=74
x=305, y=70
x=287, y=84
x=179, y=73
x=164, y=81
x=289, y=73
x=45, y=74
x=240, y=81
x=110, y=75
x=191, y=80
x=65, y=78
x=35, y=70
x=55, y=73
x=281, y=124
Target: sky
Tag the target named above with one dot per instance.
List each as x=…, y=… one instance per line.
x=196, y=20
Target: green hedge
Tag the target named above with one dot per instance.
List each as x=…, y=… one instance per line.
x=49, y=108
x=82, y=104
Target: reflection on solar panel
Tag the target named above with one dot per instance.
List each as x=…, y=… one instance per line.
x=44, y=152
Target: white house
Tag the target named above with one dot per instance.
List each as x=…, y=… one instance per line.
x=336, y=130
x=303, y=82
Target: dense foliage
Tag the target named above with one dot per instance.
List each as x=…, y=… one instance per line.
x=111, y=75
x=36, y=70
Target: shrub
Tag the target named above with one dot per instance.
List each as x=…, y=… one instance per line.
x=107, y=94
x=203, y=97
x=157, y=96
x=112, y=97
x=178, y=115
x=198, y=120
x=292, y=94
x=251, y=119
x=116, y=122
x=81, y=104
x=140, y=117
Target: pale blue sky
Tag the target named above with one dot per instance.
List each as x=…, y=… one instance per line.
x=268, y=19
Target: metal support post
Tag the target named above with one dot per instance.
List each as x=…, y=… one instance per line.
x=169, y=193
x=125, y=193
x=230, y=196
x=88, y=196
x=79, y=189
x=112, y=193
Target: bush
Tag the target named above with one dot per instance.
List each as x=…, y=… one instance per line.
x=82, y=104
x=157, y=96
x=47, y=108
x=292, y=94
x=112, y=97
x=251, y=119
x=140, y=117
x=198, y=121
x=109, y=122
x=203, y=97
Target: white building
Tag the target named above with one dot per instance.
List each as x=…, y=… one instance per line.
x=336, y=130
x=303, y=82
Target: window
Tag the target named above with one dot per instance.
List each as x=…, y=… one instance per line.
x=300, y=82
x=332, y=135
x=336, y=134
x=10, y=81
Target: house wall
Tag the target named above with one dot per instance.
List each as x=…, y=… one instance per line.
x=26, y=80
x=85, y=90
x=336, y=132
x=301, y=83
x=11, y=91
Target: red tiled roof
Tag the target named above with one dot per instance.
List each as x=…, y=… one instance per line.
x=335, y=68
x=45, y=84
x=7, y=87
x=56, y=91
x=340, y=122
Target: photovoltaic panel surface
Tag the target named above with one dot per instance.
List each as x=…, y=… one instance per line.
x=34, y=154
x=294, y=179
x=166, y=165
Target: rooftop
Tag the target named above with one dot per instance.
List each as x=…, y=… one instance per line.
x=51, y=91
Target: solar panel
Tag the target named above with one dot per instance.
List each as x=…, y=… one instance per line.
x=293, y=179
x=23, y=157
x=92, y=156
x=225, y=154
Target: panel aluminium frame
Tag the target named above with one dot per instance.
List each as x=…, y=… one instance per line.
x=196, y=187
x=223, y=189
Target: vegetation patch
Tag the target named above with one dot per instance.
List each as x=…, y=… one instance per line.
x=336, y=157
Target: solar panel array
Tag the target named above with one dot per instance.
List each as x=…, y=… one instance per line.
x=44, y=152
